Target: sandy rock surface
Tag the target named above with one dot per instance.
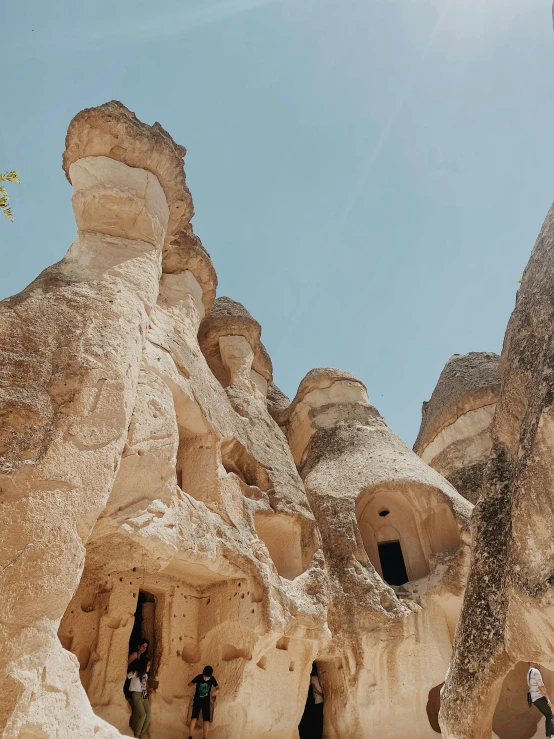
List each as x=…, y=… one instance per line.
x=157, y=484
x=507, y=613
x=455, y=433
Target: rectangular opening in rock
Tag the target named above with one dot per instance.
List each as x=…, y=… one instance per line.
x=327, y=677
x=392, y=563
x=144, y=627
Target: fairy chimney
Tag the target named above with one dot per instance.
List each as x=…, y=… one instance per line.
x=455, y=434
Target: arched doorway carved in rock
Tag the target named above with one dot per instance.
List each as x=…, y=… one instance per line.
x=402, y=525
x=513, y=719
x=391, y=536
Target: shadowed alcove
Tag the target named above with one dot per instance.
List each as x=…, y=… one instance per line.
x=235, y=459
x=401, y=527
x=282, y=535
x=334, y=720
x=513, y=719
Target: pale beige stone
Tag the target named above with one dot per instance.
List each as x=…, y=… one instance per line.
x=207, y=516
x=473, y=428
x=455, y=436
x=66, y=405
x=508, y=612
x=118, y=200
x=237, y=356
x=390, y=645
x=185, y=253
x=156, y=480
x=113, y=131
x=72, y=348
x=231, y=319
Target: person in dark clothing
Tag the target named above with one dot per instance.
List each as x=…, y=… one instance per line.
x=140, y=650
x=205, y=684
x=540, y=697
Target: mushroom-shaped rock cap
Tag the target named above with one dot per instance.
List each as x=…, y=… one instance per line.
x=322, y=377
x=326, y=397
x=229, y=318
x=186, y=252
x=467, y=382
x=277, y=403
x=319, y=379
x=112, y=130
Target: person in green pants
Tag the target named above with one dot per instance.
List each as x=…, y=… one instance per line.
x=138, y=695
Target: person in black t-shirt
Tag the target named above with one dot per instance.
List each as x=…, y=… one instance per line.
x=204, y=683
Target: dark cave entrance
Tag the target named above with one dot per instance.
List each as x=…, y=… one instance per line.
x=144, y=627
x=392, y=563
x=311, y=723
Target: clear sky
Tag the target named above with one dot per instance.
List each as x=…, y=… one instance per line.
x=369, y=176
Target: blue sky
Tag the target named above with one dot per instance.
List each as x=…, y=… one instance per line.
x=369, y=176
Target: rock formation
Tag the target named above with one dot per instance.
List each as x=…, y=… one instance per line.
x=384, y=517
x=72, y=344
x=156, y=482
x=508, y=607
x=455, y=434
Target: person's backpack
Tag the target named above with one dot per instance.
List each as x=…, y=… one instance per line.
x=529, y=700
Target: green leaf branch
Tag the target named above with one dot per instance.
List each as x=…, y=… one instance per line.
x=4, y=197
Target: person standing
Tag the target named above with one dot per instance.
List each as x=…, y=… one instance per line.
x=140, y=650
x=204, y=683
x=138, y=696
x=539, y=696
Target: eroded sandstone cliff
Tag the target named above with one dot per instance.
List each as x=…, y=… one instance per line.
x=508, y=606
x=156, y=482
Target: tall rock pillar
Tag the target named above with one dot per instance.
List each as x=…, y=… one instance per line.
x=71, y=346
x=396, y=543
x=508, y=608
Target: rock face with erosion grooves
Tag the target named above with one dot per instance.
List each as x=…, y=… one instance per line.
x=157, y=483
x=72, y=346
x=508, y=608
x=455, y=433
x=395, y=538
x=143, y=493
